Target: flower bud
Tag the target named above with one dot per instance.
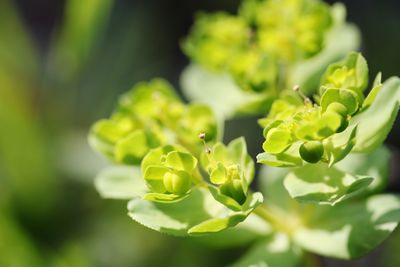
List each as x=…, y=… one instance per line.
x=312, y=151
x=234, y=189
x=177, y=182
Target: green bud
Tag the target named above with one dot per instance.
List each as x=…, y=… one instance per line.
x=312, y=151
x=234, y=189
x=177, y=182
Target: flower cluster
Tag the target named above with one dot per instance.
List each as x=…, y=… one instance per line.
x=253, y=45
x=311, y=127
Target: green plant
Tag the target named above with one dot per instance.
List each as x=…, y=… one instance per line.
x=324, y=165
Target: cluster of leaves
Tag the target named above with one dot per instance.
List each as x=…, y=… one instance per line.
x=326, y=162
x=266, y=37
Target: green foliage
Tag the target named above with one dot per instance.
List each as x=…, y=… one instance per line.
x=325, y=156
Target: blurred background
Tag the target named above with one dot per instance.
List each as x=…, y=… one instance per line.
x=62, y=66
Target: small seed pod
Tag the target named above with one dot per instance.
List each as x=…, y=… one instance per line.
x=177, y=182
x=233, y=188
x=312, y=151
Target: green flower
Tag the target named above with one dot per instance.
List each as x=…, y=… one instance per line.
x=231, y=169
x=169, y=173
x=148, y=116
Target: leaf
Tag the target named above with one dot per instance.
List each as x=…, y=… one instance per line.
x=223, y=199
x=177, y=218
x=316, y=183
x=340, y=144
x=341, y=40
x=288, y=158
x=374, y=164
x=349, y=230
x=120, y=182
x=218, y=224
x=180, y=161
x=246, y=232
x=164, y=198
x=132, y=148
x=217, y=90
x=375, y=123
x=277, y=251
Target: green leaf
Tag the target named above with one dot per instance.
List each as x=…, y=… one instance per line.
x=277, y=140
x=275, y=251
x=349, y=230
x=375, y=164
x=120, y=182
x=375, y=123
x=246, y=232
x=316, y=183
x=131, y=149
x=154, y=177
x=217, y=90
x=288, y=158
x=340, y=144
x=218, y=175
x=343, y=96
x=218, y=224
x=376, y=87
x=164, y=198
x=223, y=199
x=181, y=161
x=177, y=218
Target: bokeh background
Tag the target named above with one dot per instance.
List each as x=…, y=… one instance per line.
x=62, y=66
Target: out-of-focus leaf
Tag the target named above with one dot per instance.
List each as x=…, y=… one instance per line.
x=120, y=182
x=82, y=25
x=375, y=123
x=316, y=183
x=277, y=251
x=18, y=55
x=217, y=90
x=16, y=247
x=349, y=230
x=375, y=164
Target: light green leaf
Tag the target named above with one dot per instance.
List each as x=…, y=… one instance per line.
x=177, y=218
x=376, y=87
x=340, y=144
x=375, y=123
x=277, y=251
x=132, y=148
x=349, y=230
x=217, y=90
x=218, y=175
x=120, y=182
x=180, y=161
x=316, y=183
x=346, y=97
x=375, y=164
x=218, y=224
x=164, y=198
x=246, y=232
x=223, y=199
x=288, y=158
